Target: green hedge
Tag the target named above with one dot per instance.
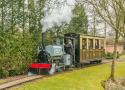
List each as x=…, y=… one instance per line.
x=17, y=52
x=109, y=55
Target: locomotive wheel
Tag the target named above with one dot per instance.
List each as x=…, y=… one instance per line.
x=100, y=61
x=91, y=62
x=78, y=65
x=82, y=65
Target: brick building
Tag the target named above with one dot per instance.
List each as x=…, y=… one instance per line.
x=110, y=48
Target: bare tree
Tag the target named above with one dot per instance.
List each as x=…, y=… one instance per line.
x=112, y=12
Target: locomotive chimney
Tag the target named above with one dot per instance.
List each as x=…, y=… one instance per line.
x=43, y=41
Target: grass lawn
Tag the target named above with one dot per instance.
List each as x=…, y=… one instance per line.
x=84, y=79
x=2, y=81
x=122, y=56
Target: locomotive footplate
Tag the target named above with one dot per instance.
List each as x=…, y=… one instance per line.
x=39, y=68
x=41, y=65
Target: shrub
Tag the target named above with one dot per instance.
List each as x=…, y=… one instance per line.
x=109, y=55
x=17, y=51
x=4, y=73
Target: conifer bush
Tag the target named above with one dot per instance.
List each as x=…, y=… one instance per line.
x=17, y=52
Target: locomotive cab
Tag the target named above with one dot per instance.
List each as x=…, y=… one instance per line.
x=71, y=47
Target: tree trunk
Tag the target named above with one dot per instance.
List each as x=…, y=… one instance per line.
x=105, y=29
x=2, y=20
x=94, y=24
x=112, y=76
x=23, y=19
x=12, y=16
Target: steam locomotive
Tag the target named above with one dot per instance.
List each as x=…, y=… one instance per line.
x=76, y=50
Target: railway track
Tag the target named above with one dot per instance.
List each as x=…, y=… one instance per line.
x=10, y=84
x=19, y=81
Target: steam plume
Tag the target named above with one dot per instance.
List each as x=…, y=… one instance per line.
x=56, y=13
